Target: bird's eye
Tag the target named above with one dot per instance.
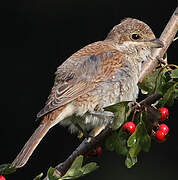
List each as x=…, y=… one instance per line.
x=135, y=36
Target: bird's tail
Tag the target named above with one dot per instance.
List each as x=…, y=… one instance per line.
x=31, y=144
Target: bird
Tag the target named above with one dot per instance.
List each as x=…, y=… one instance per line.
x=100, y=74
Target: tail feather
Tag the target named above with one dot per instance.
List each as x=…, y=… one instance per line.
x=31, y=144
x=49, y=120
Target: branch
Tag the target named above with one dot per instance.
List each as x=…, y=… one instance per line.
x=166, y=37
x=85, y=146
x=82, y=149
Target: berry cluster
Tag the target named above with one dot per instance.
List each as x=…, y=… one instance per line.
x=129, y=127
x=162, y=129
x=161, y=133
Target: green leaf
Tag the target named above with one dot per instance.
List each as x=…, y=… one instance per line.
x=176, y=92
x=155, y=82
x=121, y=112
x=135, y=149
x=75, y=175
x=174, y=73
x=169, y=96
x=76, y=170
x=121, y=143
x=111, y=141
x=6, y=169
x=139, y=140
x=117, y=142
x=134, y=142
x=162, y=80
x=88, y=168
x=148, y=83
x=77, y=162
x=50, y=174
x=146, y=143
x=130, y=161
x=133, y=139
x=38, y=177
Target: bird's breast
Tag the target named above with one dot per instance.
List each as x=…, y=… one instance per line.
x=122, y=86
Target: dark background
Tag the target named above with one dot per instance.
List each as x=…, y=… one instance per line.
x=37, y=36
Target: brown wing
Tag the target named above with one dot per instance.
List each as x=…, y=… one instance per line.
x=81, y=74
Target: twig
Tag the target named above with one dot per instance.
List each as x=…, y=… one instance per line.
x=148, y=100
x=166, y=37
x=83, y=148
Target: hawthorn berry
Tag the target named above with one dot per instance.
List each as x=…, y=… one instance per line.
x=164, y=113
x=129, y=127
x=95, y=152
x=98, y=151
x=160, y=136
x=164, y=128
x=2, y=178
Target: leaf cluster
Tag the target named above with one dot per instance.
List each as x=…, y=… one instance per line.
x=163, y=81
x=130, y=146
x=75, y=171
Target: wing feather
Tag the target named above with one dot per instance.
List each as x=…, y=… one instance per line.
x=76, y=79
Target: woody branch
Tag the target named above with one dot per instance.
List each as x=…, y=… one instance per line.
x=166, y=37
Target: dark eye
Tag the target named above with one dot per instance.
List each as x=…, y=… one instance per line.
x=135, y=36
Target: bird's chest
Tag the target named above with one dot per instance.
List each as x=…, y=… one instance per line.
x=122, y=86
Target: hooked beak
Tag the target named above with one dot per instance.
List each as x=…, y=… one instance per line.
x=155, y=43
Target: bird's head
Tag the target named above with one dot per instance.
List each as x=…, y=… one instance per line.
x=134, y=33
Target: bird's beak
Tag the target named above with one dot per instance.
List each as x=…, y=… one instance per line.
x=155, y=43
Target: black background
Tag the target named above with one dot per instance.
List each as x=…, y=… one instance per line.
x=38, y=35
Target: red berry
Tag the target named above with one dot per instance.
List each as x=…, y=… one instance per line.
x=92, y=152
x=95, y=152
x=160, y=136
x=129, y=126
x=2, y=178
x=164, y=113
x=98, y=151
x=164, y=128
